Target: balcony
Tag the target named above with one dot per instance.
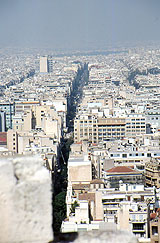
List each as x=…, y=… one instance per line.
x=138, y=230
x=138, y=227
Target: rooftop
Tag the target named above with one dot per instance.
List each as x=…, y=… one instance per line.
x=121, y=169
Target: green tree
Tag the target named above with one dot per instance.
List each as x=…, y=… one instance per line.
x=73, y=206
x=59, y=212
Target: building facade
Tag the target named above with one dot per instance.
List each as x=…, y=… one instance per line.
x=95, y=130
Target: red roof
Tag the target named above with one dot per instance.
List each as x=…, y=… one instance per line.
x=121, y=169
x=153, y=215
x=3, y=137
x=87, y=196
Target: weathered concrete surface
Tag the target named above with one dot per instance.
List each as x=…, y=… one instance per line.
x=108, y=236
x=25, y=200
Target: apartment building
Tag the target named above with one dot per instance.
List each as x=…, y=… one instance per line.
x=153, y=120
x=131, y=158
x=122, y=173
x=135, y=125
x=79, y=169
x=155, y=227
x=12, y=141
x=2, y=121
x=127, y=207
x=152, y=173
x=22, y=106
x=95, y=130
x=46, y=64
x=9, y=109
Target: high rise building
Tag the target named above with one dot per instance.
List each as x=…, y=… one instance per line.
x=2, y=121
x=46, y=64
x=43, y=65
x=9, y=109
x=50, y=64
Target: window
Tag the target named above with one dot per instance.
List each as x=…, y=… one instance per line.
x=133, y=217
x=138, y=226
x=154, y=230
x=124, y=155
x=141, y=217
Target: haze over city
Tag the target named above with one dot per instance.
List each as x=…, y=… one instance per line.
x=75, y=24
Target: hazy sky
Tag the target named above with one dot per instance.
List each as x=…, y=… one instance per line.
x=78, y=24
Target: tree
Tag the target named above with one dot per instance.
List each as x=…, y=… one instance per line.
x=73, y=206
x=59, y=212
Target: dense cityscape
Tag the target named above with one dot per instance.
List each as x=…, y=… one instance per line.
x=91, y=125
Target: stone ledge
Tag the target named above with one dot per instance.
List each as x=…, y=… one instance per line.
x=108, y=236
x=25, y=200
